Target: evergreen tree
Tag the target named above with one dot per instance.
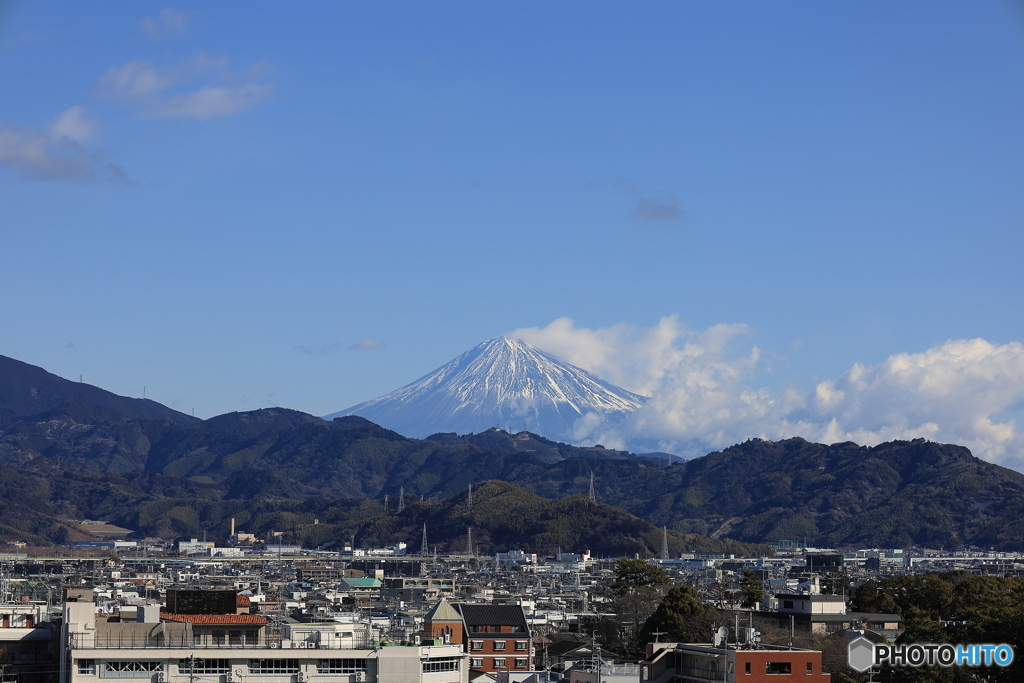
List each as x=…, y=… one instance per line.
x=681, y=617
x=753, y=589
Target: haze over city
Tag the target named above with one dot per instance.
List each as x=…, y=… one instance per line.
x=772, y=220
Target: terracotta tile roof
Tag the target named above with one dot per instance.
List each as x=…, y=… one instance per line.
x=215, y=618
x=242, y=600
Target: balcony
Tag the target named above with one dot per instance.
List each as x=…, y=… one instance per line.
x=90, y=641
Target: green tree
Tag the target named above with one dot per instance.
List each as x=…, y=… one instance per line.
x=636, y=573
x=753, y=589
x=681, y=617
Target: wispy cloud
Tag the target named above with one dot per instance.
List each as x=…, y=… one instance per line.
x=201, y=88
x=320, y=350
x=657, y=206
x=704, y=395
x=57, y=152
x=367, y=345
x=169, y=23
x=647, y=205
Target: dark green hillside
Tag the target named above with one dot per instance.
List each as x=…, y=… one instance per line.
x=38, y=504
x=28, y=390
x=503, y=517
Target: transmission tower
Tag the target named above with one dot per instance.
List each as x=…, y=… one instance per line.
x=664, y=542
x=469, y=497
x=385, y=502
x=469, y=541
x=401, y=498
x=593, y=496
x=424, y=548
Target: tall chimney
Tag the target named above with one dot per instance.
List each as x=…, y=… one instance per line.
x=232, y=526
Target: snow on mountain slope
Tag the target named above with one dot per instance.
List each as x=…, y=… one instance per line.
x=502, y=382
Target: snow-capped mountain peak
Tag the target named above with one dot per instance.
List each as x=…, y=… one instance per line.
x=502, y=382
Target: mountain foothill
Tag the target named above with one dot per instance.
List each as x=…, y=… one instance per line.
x=70, y=451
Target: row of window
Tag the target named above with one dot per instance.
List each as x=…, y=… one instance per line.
x=496, y=629
x=433, y=665
x=500, y=663
x=521, y=645
x=200, y=667
x=779, y=668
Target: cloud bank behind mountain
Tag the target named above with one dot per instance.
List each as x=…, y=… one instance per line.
x=705, y=394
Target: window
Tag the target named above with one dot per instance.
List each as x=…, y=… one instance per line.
x=476, y=663
x=340, y=666
x=433, y=665
x=522, y=645
x=778, y=667
x=522, y=663
x=86, y=667
x=201, y=667
x=499, y=663
x=476, y=645
x=787, y=604
x=130, y=669
x=746, y=668
x=273, y=666
x=218, y=636
x=499, y=645
x=810, y=668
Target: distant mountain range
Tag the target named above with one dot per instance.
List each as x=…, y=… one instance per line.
x=163, y=473
x=500, y=383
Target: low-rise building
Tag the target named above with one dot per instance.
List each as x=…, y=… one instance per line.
x=672, y=662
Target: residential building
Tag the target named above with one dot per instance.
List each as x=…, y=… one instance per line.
x=679, y=662
x=161, y=647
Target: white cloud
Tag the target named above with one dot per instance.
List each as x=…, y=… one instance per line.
x=213, y=101
x=170, y=22
x=703, y=392
x=58, y=152
x=74, y=126
x=200, y=88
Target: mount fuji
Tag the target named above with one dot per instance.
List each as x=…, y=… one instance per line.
x=502, y=382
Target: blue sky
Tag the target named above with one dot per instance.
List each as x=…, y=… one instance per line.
x=238, y=206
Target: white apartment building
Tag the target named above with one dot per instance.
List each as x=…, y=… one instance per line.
x=242, y=648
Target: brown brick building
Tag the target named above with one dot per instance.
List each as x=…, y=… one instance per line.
x=497, y=637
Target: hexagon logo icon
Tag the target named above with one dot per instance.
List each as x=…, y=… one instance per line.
x=861, y=654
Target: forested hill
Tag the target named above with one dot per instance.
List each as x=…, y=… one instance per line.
x=891, y=495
